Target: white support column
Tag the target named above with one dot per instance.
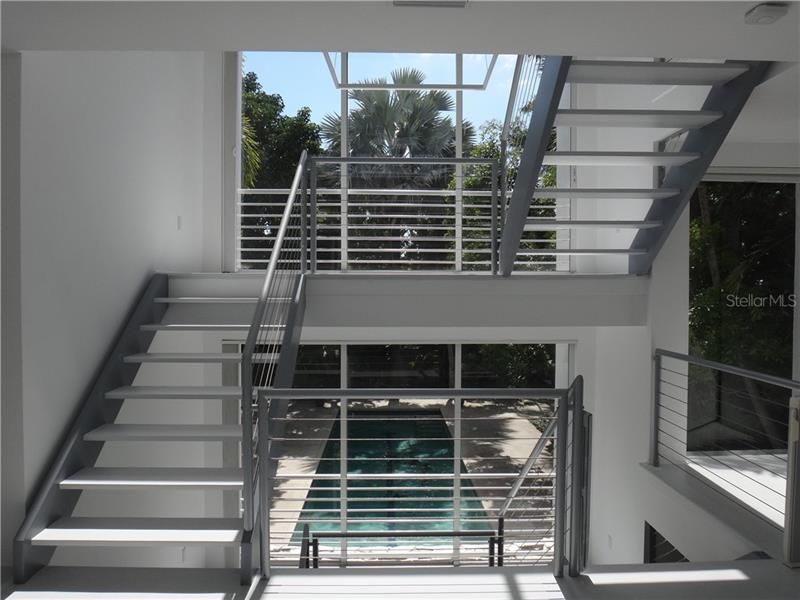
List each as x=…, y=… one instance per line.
x=791, y=535
x=459, y=170
x=231, y=158
x=344, y=123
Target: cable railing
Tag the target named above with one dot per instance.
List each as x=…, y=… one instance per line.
x=386, y=214
x=730, y=427
x=388, y=477
x=524, y=85
x=261, y=351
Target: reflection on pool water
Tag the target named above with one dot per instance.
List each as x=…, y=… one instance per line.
x=385, y=442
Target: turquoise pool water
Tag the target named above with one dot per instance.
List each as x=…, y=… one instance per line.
x=391, y=443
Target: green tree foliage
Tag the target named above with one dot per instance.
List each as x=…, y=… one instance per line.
x=740, y=311
x=271, y=140
x=396, y=123
x=479, y=177
x=742, y=246
x=400, y=123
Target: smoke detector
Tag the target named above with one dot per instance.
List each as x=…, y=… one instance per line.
x=434, y=3
x=766, y=13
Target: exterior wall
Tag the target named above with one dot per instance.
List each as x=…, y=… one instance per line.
x=117, y=181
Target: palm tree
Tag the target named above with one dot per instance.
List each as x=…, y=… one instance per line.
x=398, y=123
x=404, y=124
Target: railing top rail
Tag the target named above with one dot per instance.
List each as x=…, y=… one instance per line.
x=710, y=364
x=374, y=192
x=398, y=160
x=261, y=306
x=400, y=533
x=413, y=393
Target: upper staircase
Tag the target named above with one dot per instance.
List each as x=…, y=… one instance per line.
x=679, y=161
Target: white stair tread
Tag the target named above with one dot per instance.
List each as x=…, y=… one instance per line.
x=189, y=392
x=153, y=477
x=654, y=159
x=203, y=327
x=118, y=432
x=609, y=193
x=205, y=300
x=653, y=73
x=84, y=531
x=196, y=357
x=669, y=119
x=581, y=251
x=549, y=224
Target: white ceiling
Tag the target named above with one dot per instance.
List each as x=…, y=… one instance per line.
x=694, y=29
x=697, y=29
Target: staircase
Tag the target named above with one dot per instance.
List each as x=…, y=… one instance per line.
x=696, y=134
x=105, y=489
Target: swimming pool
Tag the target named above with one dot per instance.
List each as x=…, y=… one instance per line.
x=399, y=445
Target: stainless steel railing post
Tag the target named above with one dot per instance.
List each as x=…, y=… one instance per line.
x=304, y=223
x=343, y=453
x=457, y=450
x=265, y=482
x=313, y=215
x=656, y=410
x=577, y=461
x=495, y=224
x=560, y=487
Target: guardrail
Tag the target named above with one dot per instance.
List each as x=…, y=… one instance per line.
x=734, y=428
x=386, y=214
x=270, y=335
x=419, y=467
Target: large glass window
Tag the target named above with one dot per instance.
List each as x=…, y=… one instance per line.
x=318, y=366
x=741, y=312
x=508, y=365
x=389, y=366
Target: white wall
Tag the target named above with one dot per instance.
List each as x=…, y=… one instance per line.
x=117, y=181
x=624, y=495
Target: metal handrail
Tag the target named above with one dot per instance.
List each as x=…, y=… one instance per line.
x=547, y=435
x=412, y=393
x=790, y=384
x=248, y=421
x=568, y=516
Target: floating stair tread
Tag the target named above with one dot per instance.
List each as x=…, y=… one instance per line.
x=86, y=531
x=209, y=300
x=154, y=477
x=609, y=193
x=653, y=73
x=666, y=119
x=633, y=159
x=196, y=357
x=581, y=251
x=160, y=432
x=190, y=392
x=203, y=327
x=547, y=224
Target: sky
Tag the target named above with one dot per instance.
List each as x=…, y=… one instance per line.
x=303, y=79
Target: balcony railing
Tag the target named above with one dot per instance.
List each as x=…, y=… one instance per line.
x=371, y=477
x=383, y=214
x=736, y=430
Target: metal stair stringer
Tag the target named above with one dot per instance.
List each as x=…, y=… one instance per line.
x=543, y=115
x=727, y=98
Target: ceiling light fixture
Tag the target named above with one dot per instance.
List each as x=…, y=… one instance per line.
x=436, y=3
x=766, y=13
